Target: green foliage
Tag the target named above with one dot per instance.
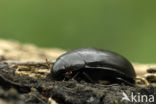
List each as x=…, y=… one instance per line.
x=127, y=27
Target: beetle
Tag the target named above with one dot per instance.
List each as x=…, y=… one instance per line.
x=93, y=65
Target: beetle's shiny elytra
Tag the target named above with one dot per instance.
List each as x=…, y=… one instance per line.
x=93, y=65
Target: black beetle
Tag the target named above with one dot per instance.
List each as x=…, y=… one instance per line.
x=93, y=65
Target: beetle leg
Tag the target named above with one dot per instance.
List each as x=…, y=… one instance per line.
x=88, y=77
x=124, y=81
x=75, y=75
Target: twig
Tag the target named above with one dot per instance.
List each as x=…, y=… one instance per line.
x=26, y=62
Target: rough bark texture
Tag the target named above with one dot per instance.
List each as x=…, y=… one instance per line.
x=25, y=79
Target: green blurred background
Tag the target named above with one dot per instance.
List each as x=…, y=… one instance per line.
x=125, y=26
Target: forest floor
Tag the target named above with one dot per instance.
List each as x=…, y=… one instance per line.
x=25, y=79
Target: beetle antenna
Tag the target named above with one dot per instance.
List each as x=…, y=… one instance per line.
x=88, y=77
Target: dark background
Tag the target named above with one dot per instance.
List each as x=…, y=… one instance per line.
x=124, y=26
